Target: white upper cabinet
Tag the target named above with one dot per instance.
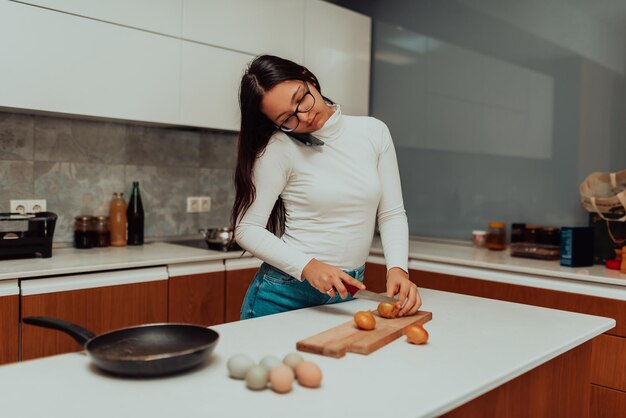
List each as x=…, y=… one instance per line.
x=160, y=16
x=250, y=26
x=209, y=95
x=172, y=61
x=62, y=63
x=337, y=50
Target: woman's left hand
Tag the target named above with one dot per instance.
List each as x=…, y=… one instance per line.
x=398, y=283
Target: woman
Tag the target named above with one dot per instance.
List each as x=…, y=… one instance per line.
x=309, y=211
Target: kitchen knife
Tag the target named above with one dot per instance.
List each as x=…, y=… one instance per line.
x=355, y=292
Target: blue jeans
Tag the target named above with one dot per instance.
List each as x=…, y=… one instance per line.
x=274, y=291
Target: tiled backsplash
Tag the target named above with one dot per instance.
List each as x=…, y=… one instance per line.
x=77, y=164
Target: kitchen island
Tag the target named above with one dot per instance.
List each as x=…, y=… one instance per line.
x=476, y=346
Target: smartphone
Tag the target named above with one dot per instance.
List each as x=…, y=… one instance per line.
x=307, y=139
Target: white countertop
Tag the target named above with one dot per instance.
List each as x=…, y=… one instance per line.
x=71, y=260
x=468, y=256
x=467, y=355
x=447, y=258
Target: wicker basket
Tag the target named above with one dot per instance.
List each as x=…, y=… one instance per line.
x=605, y=193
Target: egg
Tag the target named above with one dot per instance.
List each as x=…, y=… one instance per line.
x=269, y=362
x=309, y=374
x=281, y=378
x=256, y=377
x=238, y=365
x=293, y=359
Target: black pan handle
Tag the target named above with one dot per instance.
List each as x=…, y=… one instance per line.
x=80, y=334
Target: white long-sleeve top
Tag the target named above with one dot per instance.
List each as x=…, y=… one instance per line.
x=332, y=195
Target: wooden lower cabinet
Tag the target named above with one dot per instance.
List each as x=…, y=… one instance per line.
x=237, y=282
x=99, y=309
x=608, y=370
x=607, y=403
x=197, y=298
x=239, y=274
x=375, y=278
x=9, y=326
x=609, y=362
x=592, y=305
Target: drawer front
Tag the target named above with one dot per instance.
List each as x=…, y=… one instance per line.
x=609, y=362
x=607, y=403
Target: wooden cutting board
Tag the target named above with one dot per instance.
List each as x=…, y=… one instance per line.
x=346, y=337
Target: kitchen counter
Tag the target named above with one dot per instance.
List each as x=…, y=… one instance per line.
x=71, y=260
x=475, y=345
x=449, y=258
x=468, y=256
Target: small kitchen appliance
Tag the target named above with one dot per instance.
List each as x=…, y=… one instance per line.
x=23, y=236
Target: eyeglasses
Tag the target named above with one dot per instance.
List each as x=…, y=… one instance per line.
x=305, y=104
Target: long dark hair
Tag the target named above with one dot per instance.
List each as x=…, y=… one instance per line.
x=262, y=74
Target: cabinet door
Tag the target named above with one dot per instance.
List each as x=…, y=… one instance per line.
x=9, y=321
x=337, y=50
x=58, y=62
x=162, y=16
x=197, y=293
x=210, y=86
x=239, y=275
x=99, y=302
x=251, y=26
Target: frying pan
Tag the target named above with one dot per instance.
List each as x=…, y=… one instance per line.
x=145, y=350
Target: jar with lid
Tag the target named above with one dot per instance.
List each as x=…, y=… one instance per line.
x=550, y=236
x=496, y=236
x=517, y=232
x=101, y=229
x=84, y=236
x=532, y=234
x=479, y=238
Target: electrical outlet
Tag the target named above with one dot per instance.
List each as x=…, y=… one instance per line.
x=28, y=206
x=19, y=206
x=37, y=205
x=205, y=203
x=193, y=204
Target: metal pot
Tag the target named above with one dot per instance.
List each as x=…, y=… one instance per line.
x=220, y=239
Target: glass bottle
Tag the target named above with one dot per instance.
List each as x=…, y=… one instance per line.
x=496, y=236
x=135, y=217
x=117, y=220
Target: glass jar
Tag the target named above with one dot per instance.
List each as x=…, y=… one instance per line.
x=479, y=239
x=550, y=236
x=532, y=233
x=84, y=236
x=101, y=229
x=517, y=232
x=496, y=236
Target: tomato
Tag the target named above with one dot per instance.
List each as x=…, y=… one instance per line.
x=388, y=310
x=416, y=334
x=365, y=320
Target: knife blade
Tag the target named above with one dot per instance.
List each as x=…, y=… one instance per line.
x=355, y=292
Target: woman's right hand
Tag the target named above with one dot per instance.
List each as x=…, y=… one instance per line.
x=329, y=279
